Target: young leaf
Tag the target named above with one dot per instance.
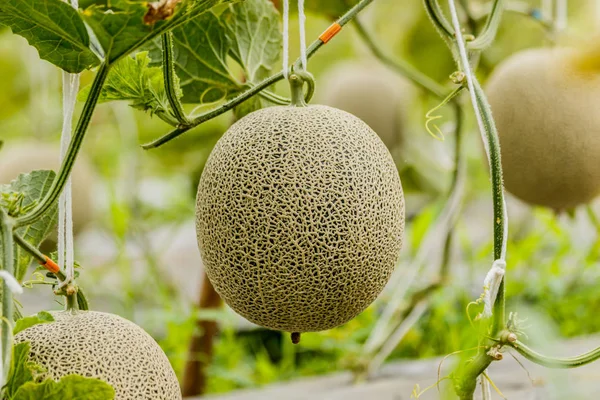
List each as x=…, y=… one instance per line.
x=72, y=387
x=42, y=317
x=32, y=186
x=120, y=28
x=54, y=28
x=132, y=79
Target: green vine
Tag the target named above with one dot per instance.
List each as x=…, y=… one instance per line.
x=6, y=227
x=254, y=90
x=69, y=160
x=170, y=78
x=551, y=362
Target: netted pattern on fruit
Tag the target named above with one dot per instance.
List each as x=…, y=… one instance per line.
x=107, y=347
x=300, y=217
x=545, y=108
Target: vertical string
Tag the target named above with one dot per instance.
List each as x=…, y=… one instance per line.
x=561, y=15
x=302, y=23
x=286, y=37
x=65, y=206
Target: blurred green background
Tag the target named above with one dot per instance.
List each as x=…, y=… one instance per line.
x=136, y=241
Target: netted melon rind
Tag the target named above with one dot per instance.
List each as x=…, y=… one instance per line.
x=103, y=346
x=548, y=123
x=300, y=217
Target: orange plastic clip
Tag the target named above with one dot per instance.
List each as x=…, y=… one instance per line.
x=50, y=265
x=330, y=32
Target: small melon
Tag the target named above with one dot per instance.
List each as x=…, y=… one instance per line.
x=24, y=158
x=299, y=217
x=106, y=347
x=545, y=105
x=372, y=93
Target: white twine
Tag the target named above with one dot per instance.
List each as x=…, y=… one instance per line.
x=561, y=21
x=286, y=36
x=302, y=23
x=65, y=207
x=11, y=282
x=494, y=276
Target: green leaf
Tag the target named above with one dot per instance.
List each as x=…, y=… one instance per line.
x=120, y=29
x=253, y=27
x=20, y=371
x=247, y=32
x=201, y=48
x=54, y=28
x=132, y=79
x=33, y=186
x=256, y=37
x=42, y=317
x=72, y=387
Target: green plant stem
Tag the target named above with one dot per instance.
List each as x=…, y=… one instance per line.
x=274, y=97
x=467, y=374
x=488, y=34
x=25, y=245
x=170, y=78
x=440, y=22
x=310, y=51
x=81, y=300
x=404, y=68
x=7, y=299
x=69, y=160
x=552, y=362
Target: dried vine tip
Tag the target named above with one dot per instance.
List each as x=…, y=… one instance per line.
x=299, y=217
x=544, y=102
x=103, y=346
x=374, y=94
x=296, y=337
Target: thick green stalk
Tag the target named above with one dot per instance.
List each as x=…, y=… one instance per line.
x=170, y=78
x=402, y=67
x=551, y=362
x=7, y=299
x=467, y=374
x=69, y=160
x=488, y=34
x=440, y=22
x=254, y=90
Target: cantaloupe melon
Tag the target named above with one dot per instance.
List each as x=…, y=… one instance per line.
x=300, y=217
x=546, y=110
x=106, y=347
x=373, y=93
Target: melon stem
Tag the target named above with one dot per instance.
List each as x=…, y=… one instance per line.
x=297, y=92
